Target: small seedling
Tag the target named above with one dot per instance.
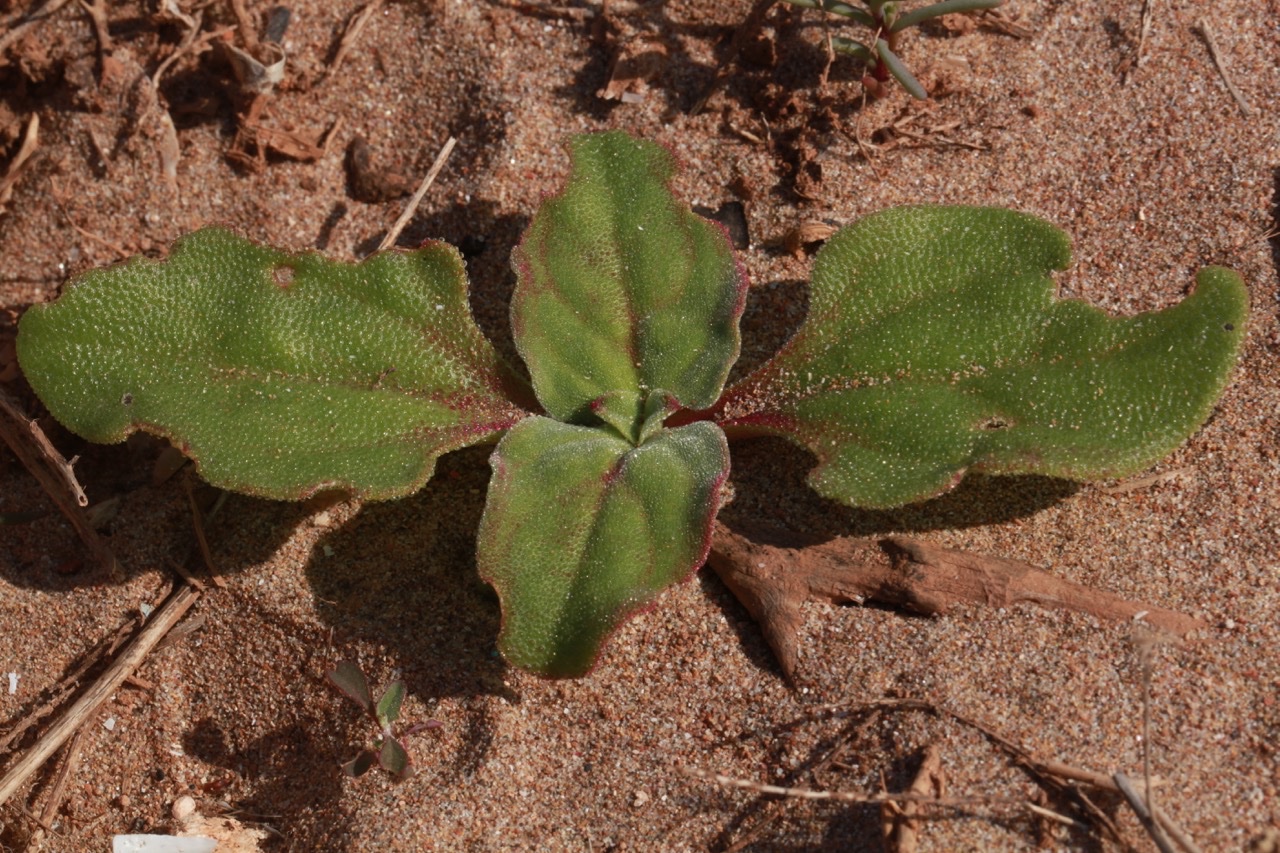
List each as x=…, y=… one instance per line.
x=933, y=345
x=887, y=20
x=387, y=750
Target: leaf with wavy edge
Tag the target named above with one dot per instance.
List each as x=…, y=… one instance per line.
x=934, y=345
x=623, y=290
x=280, y=373
x=581, y=528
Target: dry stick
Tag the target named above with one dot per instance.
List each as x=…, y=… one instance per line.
x=409, y=209
x=1148, y=13
x=1067, y=771
x=847, y=796
x=1140, y=808
x=1018, y=752
x=773, y=808
x=155, y=628
x=55, y=476
x=97, y=13
x=30, y=21
x=902, y=826
x=248, y=32
x=198, y=522
x=70, y=762
x=192, y=42
x=186, y=575
x=350, y=36
x=1146, y=652
x=1057, y=818
x=67, y=685
x=30, y=141
x=1202, y=27
x=1147, y=643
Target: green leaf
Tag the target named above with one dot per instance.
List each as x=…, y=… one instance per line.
x=388, y=710
x=581, y=528
x=936, y=10
x=900, y=72
x=934, y=344
x=394, y=758
x=281, y=374
x=349, y=678
x=623, y=291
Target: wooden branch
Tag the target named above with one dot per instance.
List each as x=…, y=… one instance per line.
x=152, y=632
x=29, y=443
x=773, y=579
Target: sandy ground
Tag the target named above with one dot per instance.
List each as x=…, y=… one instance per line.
x=1151, y=166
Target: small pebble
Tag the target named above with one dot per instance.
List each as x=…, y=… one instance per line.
x=183, y=808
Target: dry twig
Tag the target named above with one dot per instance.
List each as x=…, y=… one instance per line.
x=1148, y=13
x=848, y=796
x=29, y=443
x=901, y=824
x=67, y=685
x=97, y=12
x=198, y=521
x=248, y=32
x=1202, y=27
x=19, y=29
x=390, y=239
x=30, y=142
x=153, y=630
x=349, y=37
x=70, y=763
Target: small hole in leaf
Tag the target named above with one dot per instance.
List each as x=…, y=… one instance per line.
x=283, y=275
x=127, y=399
x=1230, y=327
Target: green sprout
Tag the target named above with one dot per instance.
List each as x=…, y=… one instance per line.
x=887, y=20
x=388, y=750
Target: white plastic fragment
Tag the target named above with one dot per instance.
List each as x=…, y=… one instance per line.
x=13, y=683
x=109, y=724
x=162, y=844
